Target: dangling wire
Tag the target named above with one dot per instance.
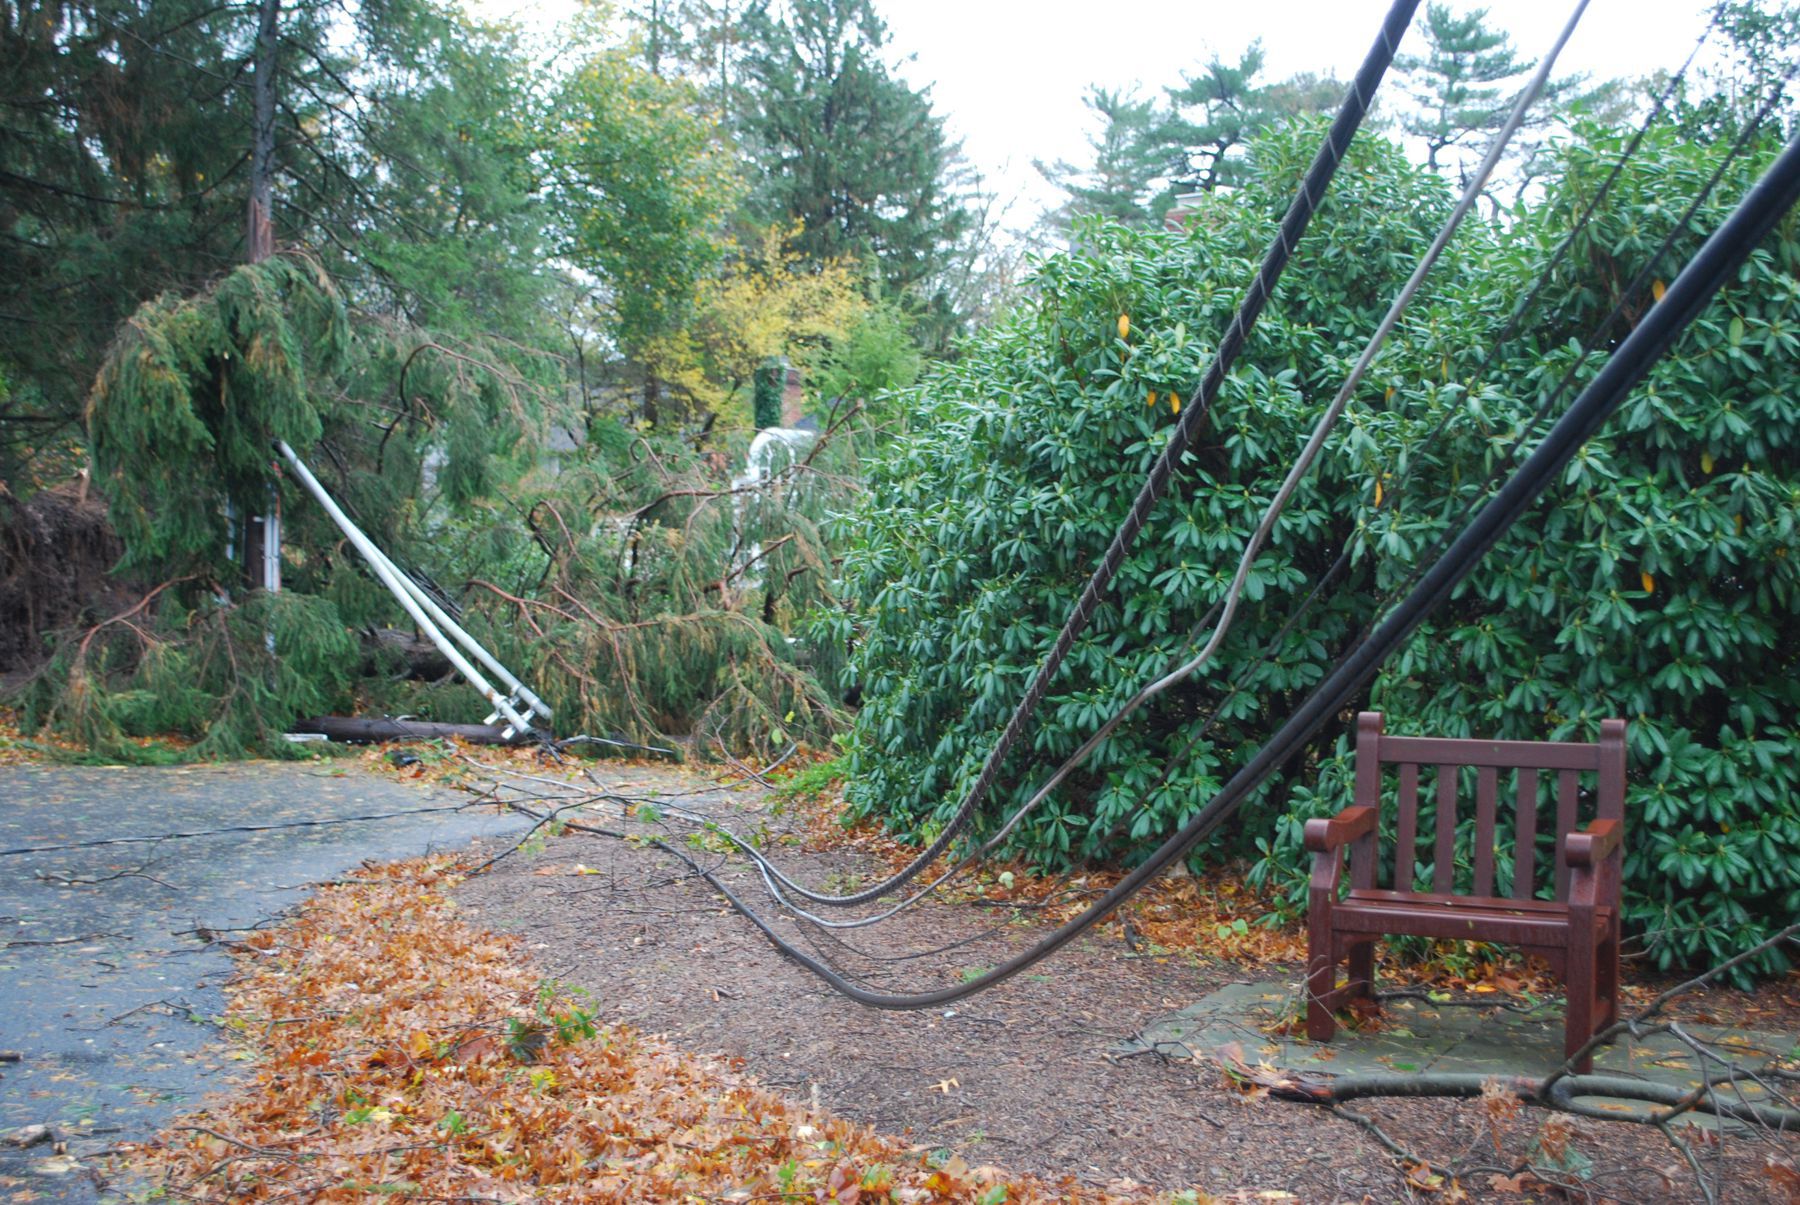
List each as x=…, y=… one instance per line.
x=1226, y=609
x=1312, y=190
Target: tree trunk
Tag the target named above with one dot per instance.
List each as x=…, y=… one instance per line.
x=260, y=240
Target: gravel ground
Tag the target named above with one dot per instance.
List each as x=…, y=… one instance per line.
x=1025, y=1075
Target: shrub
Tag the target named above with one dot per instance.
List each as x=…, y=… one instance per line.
x=1656, y=583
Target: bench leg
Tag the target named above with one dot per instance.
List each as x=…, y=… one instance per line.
x=1609, y=979
x=1581, y=981
x=1321, y=976
x=1362, y=970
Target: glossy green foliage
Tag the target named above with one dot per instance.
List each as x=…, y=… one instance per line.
x=1656, y=582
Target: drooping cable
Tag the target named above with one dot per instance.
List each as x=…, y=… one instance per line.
x=1710, y=268
x=1351, y=113
x=1293, y=618
x=1523, y=307
x=1226, y=609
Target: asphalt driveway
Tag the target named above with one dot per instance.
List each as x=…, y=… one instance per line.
x=109, y=971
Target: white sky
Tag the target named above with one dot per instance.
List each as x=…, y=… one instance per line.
x=1009, y=75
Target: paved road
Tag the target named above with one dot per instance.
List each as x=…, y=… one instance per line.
x=104, y=989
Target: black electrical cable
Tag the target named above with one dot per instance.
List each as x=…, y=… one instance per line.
x=773, y=876
x=153, y=838
x=1318, y=177
x=1711, y=267
x=1634, y=288
x=775, y=879
x=1511, y=325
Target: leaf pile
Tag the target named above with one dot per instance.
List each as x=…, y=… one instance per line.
x=401, y=1052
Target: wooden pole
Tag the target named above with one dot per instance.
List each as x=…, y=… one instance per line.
x=260, y=235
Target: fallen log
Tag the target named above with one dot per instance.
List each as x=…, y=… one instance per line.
x=356, y=730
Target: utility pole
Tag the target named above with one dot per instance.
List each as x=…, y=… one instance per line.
x=259, y=243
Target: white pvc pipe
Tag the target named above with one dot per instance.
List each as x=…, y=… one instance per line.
x=448, y=625
x=384, y=570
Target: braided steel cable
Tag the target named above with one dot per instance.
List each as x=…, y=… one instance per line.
x=1351, y=113
x=1723, y=253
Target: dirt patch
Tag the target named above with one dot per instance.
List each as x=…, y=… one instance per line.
x=1025, y=1074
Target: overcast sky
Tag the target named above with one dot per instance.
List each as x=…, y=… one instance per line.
x=1009, y=75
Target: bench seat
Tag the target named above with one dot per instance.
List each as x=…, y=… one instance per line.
x=1468, y=917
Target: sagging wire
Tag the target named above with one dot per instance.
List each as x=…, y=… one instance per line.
x=774, y=878
x=1226, y=609
x=1327, y=577
x=1723, y=253
x=1632, y=290
x=1354, y=108
x=1716, y=261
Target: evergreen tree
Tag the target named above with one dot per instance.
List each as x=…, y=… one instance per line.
x=1462, y=86
x=1213, y=114
x=400, y=158
x=1754, y=69
x=115, y=182
x=841, y=145
x=1127, y=160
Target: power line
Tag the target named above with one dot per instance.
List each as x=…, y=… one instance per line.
x=1226, y=609
x=1711, y=267
x=1312, y=189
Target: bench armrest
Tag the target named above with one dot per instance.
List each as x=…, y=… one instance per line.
x=1323, y=836
x=1595, y=844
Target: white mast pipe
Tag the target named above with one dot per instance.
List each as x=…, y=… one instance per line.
x=456, y=632
x=384, y=570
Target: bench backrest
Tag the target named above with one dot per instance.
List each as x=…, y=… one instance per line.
x=1448, y=758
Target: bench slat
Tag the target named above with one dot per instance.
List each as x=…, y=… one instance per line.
x=1568, y=790
x=1545, y=755
x=1525, y=839
x=1375, y=896
x=1406, y=839
x=1443, y=878
x=1454, y=917
x=1485, y=789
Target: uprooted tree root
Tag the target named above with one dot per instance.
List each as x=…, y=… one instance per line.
x=57, y=551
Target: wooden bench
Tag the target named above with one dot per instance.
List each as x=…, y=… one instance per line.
x=1577, y=931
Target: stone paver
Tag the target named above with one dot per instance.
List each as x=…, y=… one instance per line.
x=1416, y=1035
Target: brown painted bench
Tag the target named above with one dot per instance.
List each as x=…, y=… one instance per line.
x=1577, y=932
